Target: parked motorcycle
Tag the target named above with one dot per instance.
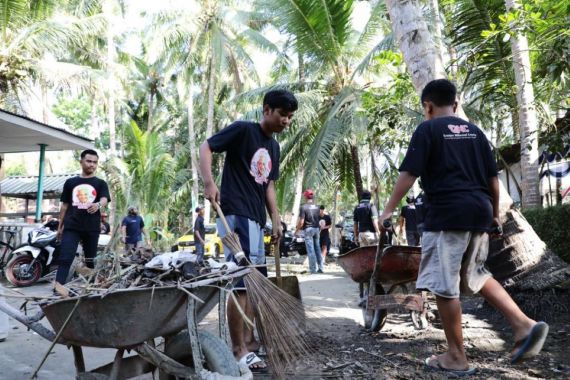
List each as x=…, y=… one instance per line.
x=35, y=260
x=297, y=244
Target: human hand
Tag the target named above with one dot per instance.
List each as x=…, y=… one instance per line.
x=123, y=239
x=58, y=235
x=385, y=216
x=94, y=208
x=497, y=228
x=211, y=192
x=277, y=233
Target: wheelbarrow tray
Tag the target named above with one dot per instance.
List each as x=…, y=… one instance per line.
x=128, y=317
x=399, y=264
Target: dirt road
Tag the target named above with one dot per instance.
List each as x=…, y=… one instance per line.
x=343, y=349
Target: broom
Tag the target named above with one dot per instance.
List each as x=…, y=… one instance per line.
x=280, y=316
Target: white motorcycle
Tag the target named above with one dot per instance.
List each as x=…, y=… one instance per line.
x=33, y=261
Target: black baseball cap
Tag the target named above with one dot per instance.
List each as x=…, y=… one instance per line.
x=198, y=209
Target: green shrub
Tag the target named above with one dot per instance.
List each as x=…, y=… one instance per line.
x=552, y=224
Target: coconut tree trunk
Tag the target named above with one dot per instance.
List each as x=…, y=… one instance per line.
x=528, y=120
x=298, y=195
x=210, y=119
x=519, y=259
x=356, y=169
x=110, y=61
x=421, y=54
x=192, y=150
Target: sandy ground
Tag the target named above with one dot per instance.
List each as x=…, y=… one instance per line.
x=343, y=349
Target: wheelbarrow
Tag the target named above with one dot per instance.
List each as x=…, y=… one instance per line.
x=130, y=319
x=376, y=269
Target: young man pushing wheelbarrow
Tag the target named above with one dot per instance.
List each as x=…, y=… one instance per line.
x=459, y=176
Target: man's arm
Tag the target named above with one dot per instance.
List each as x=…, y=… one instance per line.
x=62, y=211
x=211, y=191
x=403, y=185
x=197, y=234
x=271, y=203
x=494, y=190
x=103, y=201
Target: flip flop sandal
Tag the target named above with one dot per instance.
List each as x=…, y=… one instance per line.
x=251, y=359
x=452, y=373
x=532, y=344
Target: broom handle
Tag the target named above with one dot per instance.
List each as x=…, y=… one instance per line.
x=277, y=256
x=222, y=216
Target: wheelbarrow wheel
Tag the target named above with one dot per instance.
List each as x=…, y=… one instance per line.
x=217, y=355
x=374, y=319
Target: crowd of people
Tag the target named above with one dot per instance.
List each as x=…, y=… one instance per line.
x=451, y=218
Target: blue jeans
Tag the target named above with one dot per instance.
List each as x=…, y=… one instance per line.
x=313, y=249
x=200, y=250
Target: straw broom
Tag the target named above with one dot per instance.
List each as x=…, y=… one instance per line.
x=280, y=317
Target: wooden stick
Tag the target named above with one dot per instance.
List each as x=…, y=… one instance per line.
x=35, y=374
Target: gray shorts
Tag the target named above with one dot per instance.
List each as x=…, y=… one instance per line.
x=367, y=238
x=453, y=262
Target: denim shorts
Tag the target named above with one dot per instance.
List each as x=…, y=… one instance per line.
x=453, y=262
x=251, y=239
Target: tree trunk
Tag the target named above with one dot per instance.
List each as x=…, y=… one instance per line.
x=110, y=61
x=421, y=55
x=297, y=200
x=210, y=121
x=192, y=150
x=528, y=120
x=356, y=170
x=519, y=259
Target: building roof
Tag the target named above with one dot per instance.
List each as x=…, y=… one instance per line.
x=27, y=186
x=23, y=134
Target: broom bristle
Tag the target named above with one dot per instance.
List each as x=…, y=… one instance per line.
x=280, y=322
x=231, y=240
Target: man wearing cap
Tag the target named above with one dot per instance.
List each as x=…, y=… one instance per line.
x=199, y=233
x=366, y=221
x=309, y=216
x=132, y=229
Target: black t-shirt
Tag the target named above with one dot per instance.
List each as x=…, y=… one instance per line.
x=80, y=193
x=420, y=203
x=134, y=225
x=252, y=160
x=105, y=228
x=363, y=214
x=409, y=214
x=328, y=222
x=454, y=160
x=199, y=227
x=310, y=213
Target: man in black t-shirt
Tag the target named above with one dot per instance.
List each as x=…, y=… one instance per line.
x=409, y=221
x=199, y=233
x=325, y=224
x=365, y=221
x=105, y=226
x=309, y=223
x=82, y=199
x=459, y=177
x=251, y=168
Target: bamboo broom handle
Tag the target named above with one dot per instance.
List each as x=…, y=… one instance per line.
x=277, y=256
x=222, y=216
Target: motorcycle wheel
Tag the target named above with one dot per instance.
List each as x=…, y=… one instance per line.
x=20, y=273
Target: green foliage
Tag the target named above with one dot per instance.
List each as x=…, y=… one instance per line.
x=16, y=169
x=552, y=225
x=74, y=112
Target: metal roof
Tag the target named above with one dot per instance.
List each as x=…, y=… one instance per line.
x=27, y=186
x=23, y=134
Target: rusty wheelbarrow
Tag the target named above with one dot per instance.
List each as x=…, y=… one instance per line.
x=130, y=319
x=376, y=269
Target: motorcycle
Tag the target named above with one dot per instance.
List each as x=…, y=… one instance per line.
x=34, y=261
x=296, y=243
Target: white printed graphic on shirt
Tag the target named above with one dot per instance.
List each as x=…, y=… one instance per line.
x=459, y=132
x=260, y=166
x=83, y=196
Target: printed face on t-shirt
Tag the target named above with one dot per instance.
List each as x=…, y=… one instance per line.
x=260, y=165
x=83, y=196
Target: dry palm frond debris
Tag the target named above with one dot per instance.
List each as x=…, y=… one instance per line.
x=142, y=270
x=280, y=317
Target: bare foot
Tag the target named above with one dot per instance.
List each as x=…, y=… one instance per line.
x=253, y=346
